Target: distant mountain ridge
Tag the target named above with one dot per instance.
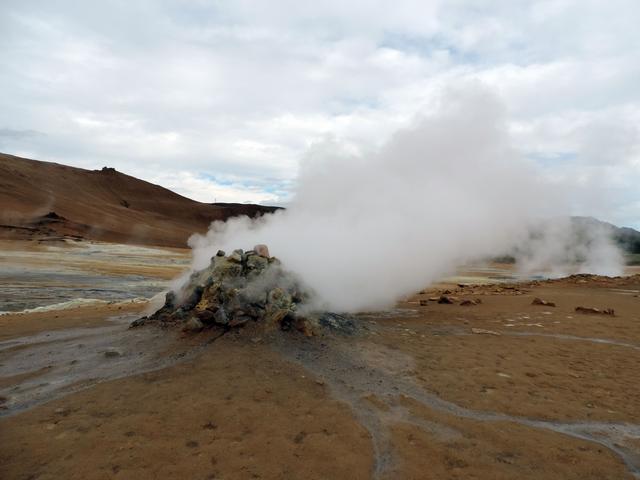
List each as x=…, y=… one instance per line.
x=628, y=239
x=40, y=200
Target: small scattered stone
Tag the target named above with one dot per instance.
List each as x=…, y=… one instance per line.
x=595, y=311
x=482, y=331
x=424, y=303
x=539, y=301
x=112, y=353
x=138, y=322
x=469, y=303
x=444, y=299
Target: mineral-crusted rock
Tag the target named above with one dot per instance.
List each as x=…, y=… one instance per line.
x=193, y=325
x=220, y=316
x=256, y=264
x=236, y=256
x=242, y=288
x=224, y=267
x=193, y=299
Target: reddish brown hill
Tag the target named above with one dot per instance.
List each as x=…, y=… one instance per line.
x=40, y=199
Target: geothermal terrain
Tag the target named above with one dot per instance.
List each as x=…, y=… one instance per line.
x=483, y=375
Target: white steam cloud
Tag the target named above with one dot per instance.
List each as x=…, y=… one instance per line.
x=559, y=246
x=364, y=230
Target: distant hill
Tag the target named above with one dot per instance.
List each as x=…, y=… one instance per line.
x=41, y=200
x=626, y=238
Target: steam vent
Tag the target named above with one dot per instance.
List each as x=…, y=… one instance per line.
x=241, y=288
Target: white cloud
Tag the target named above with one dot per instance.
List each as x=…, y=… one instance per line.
x=239, y=91
x=209, y=191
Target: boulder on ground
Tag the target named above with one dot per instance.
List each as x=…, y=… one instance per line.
x=444, y=299
x=595, y=311
x=469, y=303
x=545, y=303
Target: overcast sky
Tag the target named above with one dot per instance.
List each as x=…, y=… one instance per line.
x=219, y=100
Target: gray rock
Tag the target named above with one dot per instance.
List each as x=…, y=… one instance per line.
x=112, y=352
x=138, y=323
x=256, y=265
x=193, y=325
x=220, y=317
x=236, y=256
x=226, y=268
x=170, y=300
x=193, y=298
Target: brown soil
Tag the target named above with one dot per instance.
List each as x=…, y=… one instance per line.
x=221, y=416
x=101, y=205
x=471, y=449
x=20, y=324
x=545, y=394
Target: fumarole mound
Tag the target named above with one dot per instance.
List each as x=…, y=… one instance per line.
x=245, y=287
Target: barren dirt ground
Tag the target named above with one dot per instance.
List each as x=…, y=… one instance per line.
x=498, y=390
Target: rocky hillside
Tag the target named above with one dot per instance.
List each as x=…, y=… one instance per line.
x=48, y=200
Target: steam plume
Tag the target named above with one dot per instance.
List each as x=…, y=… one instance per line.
x=364, y=230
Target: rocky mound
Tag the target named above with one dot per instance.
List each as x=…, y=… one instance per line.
x=241, y=288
